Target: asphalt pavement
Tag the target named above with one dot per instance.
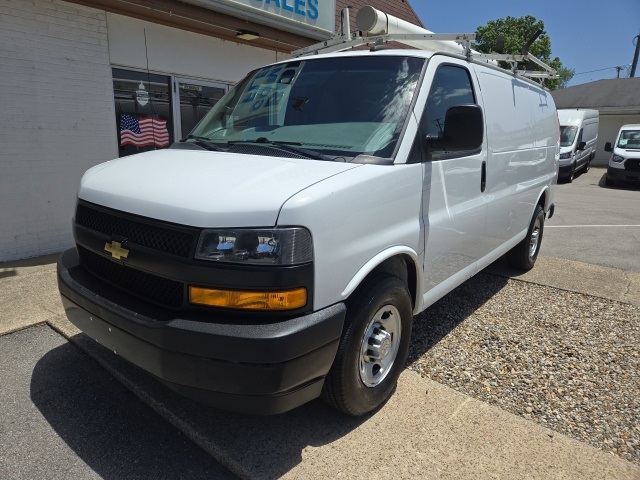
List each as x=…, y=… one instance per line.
x=72, y=409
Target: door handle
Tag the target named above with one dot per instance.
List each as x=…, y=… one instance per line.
x=483, y=179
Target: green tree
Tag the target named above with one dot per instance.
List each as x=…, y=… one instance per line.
x=516, y=33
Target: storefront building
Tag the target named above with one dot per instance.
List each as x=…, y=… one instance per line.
x=83, y=82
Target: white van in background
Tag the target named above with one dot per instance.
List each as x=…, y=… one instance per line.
x=578, y=140
x=280, y=251
x=624, y=164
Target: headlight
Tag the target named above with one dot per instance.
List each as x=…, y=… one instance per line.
x=276, y=246
x=565, y=155
x=617, y=158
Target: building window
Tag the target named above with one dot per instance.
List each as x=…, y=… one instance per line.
x=196, y=99
x=149, y=116
x=143, y=111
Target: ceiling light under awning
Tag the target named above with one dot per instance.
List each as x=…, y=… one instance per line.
x=247, y=35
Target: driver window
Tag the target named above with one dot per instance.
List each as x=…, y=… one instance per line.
x=451, y=86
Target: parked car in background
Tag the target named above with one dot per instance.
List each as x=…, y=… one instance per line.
x=624, y=164
x=578, y=139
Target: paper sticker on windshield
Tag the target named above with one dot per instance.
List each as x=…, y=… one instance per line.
x=623, y=142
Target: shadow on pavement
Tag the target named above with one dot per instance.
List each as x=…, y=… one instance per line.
x=110, y=429
x=619, y=184
x=10, y=269
x=250, y=446
x=269, y=447
x=433, y=324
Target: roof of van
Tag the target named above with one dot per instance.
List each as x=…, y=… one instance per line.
x=574, y=116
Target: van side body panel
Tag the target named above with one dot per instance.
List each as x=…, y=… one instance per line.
x=522, y=131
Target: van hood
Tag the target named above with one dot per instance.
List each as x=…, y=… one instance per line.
x=630, y=153
x=203, y=189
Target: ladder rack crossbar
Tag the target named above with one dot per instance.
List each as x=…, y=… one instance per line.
x=340, y=43
x=343, y=42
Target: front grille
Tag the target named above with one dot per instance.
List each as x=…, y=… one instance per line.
x=145, y=285
x=632, y=165
x=161, y=238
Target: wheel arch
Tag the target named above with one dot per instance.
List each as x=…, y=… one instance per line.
x=399, y=261
x=543, y=199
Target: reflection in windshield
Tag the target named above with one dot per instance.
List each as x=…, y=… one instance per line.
x=567, y=135
x=629, y=139
x=337, y=107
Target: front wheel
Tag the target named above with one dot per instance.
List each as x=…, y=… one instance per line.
x=373, y=348
x=524, y=254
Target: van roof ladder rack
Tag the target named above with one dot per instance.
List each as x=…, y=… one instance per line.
x=382, y=28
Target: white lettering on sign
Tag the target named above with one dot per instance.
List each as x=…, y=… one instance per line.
x=314, y=16
x=308, y=8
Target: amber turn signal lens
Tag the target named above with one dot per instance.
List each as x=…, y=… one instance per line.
x=242, y=300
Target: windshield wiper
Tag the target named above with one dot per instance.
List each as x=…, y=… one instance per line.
x=203, y=142
x=291, y=147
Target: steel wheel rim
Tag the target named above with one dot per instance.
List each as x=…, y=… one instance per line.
x=379, y=346
x=535, y=238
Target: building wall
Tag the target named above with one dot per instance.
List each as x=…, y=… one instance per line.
x=173, y=51
x=56, y=118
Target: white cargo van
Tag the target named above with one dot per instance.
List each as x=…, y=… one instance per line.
x=624, y=164
x=280, y=251
x=578, y=140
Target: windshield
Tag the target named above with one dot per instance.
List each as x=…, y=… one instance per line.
x=567, y=135
x=337, y=107
x=629, y=139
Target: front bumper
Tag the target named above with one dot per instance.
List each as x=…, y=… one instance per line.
x=622, y=174
x=250, y=367
x=565, y=170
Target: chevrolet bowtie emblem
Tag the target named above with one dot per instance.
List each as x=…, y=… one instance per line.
x=116, y=250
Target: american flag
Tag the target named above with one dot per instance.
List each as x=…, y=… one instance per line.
x=142, y=132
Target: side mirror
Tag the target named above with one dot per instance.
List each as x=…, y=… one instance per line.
x=582, y=146
x=607, y=147
x=463, y=130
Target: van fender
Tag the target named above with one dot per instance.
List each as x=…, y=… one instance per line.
x=377, y=260
x=548, y=207
x=546, y=192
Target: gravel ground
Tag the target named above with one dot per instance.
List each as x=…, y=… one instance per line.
x=567, y=361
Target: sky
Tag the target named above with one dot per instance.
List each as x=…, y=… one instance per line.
x=590, y=36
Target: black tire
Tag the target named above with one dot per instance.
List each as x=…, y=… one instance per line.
x=587, y=165
x=572, y=174
x=524, y=254
x=608, y=182
x=385, y=302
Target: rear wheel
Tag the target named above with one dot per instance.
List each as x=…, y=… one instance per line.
x=524, y=254
x=373, y=348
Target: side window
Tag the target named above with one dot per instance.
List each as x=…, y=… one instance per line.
x=579, y=138
x=451, y=86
